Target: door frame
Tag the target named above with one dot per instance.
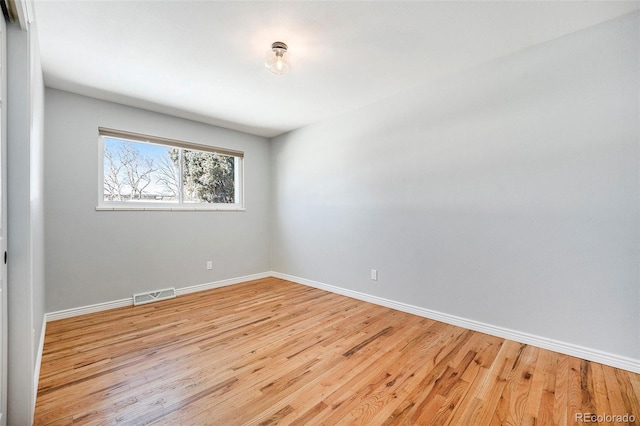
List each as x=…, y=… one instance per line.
x=3, y=225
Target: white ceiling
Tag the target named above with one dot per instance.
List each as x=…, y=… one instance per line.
x=204, y=60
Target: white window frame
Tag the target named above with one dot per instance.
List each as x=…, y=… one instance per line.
x=172, y=206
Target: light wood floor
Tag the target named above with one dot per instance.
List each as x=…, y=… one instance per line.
x=274, y=352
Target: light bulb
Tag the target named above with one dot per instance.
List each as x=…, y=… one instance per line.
x=276, y=58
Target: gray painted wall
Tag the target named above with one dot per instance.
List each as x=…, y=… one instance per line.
x=25, y=283
x=99, y=256
x=506, y=194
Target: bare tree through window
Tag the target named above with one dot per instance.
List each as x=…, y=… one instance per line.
x=127, y=173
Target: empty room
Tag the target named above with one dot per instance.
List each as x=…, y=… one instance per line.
x=320, y=213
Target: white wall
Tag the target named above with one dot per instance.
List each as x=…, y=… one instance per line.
x=25, y=284
x=100, y=256
x=506, y=194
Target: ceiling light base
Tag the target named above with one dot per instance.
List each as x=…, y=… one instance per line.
x=277, y=59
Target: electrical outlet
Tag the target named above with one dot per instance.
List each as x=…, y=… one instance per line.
x=374, y=274
x=209, y=265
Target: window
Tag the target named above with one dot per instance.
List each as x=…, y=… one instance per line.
x=141, y=172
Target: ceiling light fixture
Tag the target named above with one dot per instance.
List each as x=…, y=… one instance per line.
x=277, y=59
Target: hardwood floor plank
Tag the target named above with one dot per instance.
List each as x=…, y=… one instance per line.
x=546, y=404
x=272, y=352
x=600, y=396
x=560, y=405
x=631, y=402
x=534, y=398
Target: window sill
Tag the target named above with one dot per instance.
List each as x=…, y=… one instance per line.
x=170, y=209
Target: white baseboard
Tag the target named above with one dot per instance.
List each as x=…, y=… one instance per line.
x=74, y=312
x=221, y=283
x=589, y=354
x=82, y=310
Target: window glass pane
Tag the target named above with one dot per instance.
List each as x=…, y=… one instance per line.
x=208, y=177
x=167, y=176
x=140, y=172
x=151, y=172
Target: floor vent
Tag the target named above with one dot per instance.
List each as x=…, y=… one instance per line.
x=153, y=296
